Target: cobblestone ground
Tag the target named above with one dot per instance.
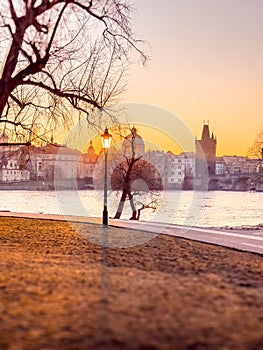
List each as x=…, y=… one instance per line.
x=60, y=291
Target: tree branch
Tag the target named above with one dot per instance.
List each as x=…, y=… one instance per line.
x=72, y=97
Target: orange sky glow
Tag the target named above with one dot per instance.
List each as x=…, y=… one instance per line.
x=206, y=64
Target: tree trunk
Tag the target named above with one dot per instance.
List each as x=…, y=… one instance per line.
x=121, y=204
x=134, y=211
x=4, y=97
x=125, y=191
x=139, y=212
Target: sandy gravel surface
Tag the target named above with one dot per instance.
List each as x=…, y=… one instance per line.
x=58, y=290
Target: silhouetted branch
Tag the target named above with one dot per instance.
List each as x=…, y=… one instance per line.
x=72, y=54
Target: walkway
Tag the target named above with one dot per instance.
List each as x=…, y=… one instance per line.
x=245, y=240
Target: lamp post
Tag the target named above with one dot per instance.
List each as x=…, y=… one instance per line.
x=106, y=140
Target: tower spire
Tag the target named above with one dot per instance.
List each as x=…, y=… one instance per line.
x=205, y=132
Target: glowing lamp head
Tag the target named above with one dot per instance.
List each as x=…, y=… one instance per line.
x=106, y=139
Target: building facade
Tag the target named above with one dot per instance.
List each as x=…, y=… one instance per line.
x=173, y=169
x=11, y=172
x=87, y=164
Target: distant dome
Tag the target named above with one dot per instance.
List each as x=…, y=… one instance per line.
x=133, y=142
x=134, y=130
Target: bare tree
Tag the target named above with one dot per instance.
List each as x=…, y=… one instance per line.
x=255, y=150
x=121, y=180
x=134, y=177
x=57, y=55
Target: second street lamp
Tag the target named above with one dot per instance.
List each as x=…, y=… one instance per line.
x=106, y=141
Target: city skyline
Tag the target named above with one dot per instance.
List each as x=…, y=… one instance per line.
x=55, y=166
x=155, y=140
x=206, y=64
x=169, y=144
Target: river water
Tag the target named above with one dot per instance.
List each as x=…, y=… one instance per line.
x=204, y=209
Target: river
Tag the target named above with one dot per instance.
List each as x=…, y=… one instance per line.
x=204, y=209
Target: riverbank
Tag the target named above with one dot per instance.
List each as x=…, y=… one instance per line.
x=69, y=185
x=60, y=291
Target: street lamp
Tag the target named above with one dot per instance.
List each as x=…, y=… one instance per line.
x=106, y=140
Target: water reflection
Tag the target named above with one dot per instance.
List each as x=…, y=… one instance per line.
x=180, y=207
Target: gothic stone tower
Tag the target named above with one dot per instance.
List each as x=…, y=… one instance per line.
x=206, y=153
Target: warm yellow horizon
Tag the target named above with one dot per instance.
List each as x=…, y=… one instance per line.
x=157, y=140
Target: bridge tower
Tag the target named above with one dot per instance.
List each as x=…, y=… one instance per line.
x=206, y=152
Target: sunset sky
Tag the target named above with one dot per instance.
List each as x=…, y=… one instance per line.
x=206, y=64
